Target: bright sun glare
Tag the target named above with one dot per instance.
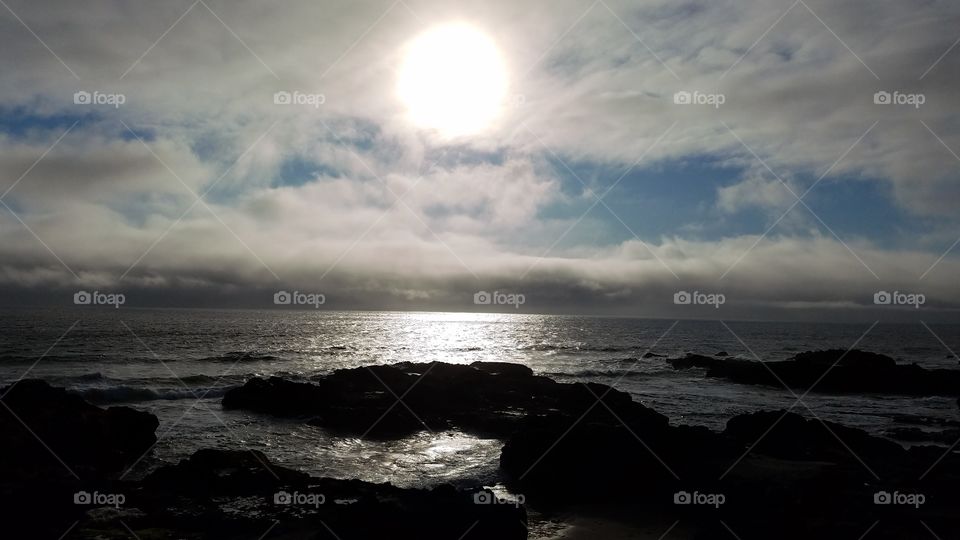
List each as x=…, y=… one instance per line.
x=453, y=80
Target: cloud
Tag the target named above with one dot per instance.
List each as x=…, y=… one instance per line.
x=88, y=167
x=756, y=191
x=311, y=197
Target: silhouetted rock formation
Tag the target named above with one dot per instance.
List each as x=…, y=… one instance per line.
x=213, y=494
x=769, y=474
x=933, y=429
x=41, y=425
x=780, y=475
x=841, y=372
x=202, y=495
x=789, y=436
x=487, y=398
x=914, y=434
x=599, y=455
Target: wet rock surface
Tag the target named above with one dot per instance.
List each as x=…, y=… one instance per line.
x=484, y=398
x=213, y=494
x=240, y=494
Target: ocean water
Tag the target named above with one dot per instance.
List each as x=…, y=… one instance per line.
x=177, y=364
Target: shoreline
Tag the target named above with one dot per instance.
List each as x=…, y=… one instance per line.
x=588, y=460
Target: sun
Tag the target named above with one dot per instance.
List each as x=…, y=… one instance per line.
x=452, y=80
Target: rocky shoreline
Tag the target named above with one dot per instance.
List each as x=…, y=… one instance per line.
x=62, y=465
x=768, y=474
x=832, y=371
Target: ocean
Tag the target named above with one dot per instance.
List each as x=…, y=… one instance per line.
x=177, y=364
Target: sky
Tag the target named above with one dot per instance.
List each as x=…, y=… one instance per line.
x=817, y=167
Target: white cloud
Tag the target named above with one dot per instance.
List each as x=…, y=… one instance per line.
x=799, y=99
x=757, y=191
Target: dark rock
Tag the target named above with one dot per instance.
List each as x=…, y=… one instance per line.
x=780, y=475
x=41, y=425
x=55, y=445
x=789, y=436
x=832, y=371
x=691, y=360
x=213, y=494
x=210, y=471
x=504, y=368
x=919, y=420
x=652, y=355
x=485, y=398
x=722, y=353
x=853, y=358
x=276, y=396
x=600, y=457
x=603, y=457
x=202, y=495
x=915, y=434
